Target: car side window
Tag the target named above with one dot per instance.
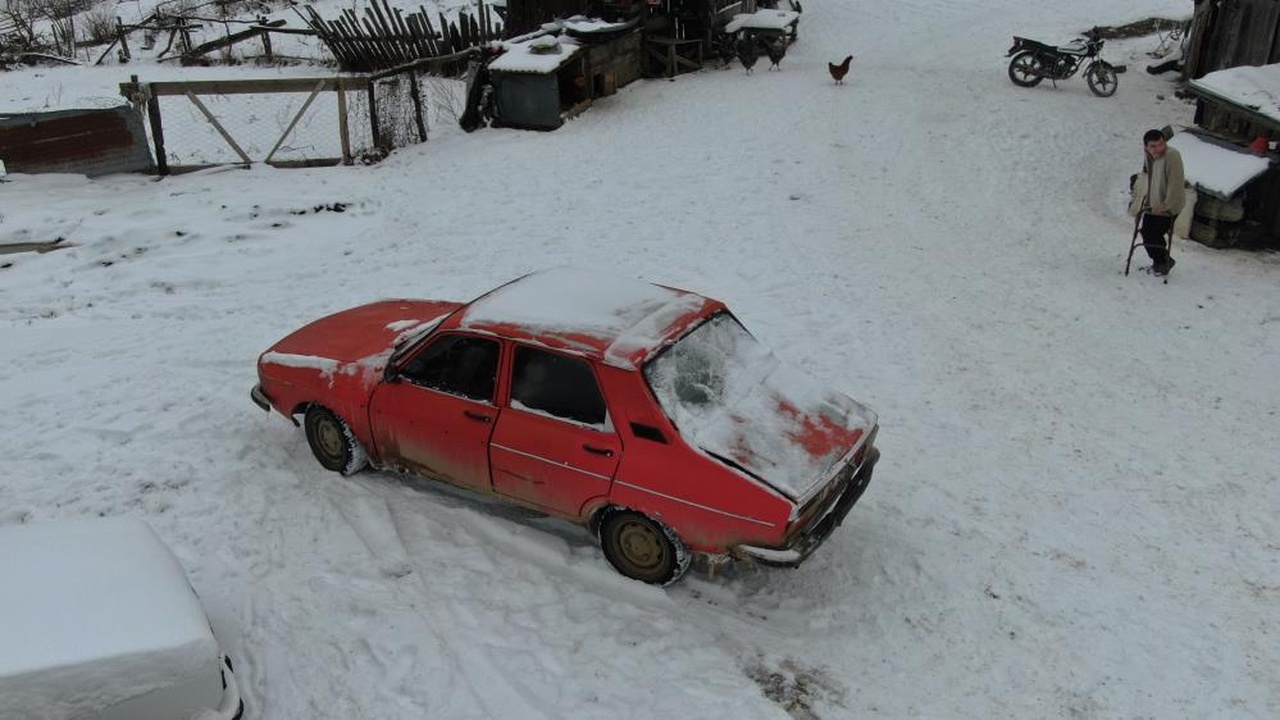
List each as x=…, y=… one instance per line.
x=557, y=385
x=456, y=364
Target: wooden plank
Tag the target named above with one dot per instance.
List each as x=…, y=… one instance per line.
x=348, y=26
x=420, y=39
x=380, y=53
x=157, y=130
x=373, y=119
x=444, y=35
x=406, y=42
x=417, y=106
x=397, y=21
x=351, y=51
x=437, y=48
x=218, y=126
x=344, y=133
x=222, y=42
x=381, y=33
x=122, y=35
x=244, y=87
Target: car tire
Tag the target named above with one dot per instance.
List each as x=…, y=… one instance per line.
x=333, y=443
x=643, y=549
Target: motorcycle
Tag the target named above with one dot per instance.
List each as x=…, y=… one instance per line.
x=1035, y=61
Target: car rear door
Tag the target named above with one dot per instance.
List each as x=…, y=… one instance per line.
x=435, y=417
x=553, y=446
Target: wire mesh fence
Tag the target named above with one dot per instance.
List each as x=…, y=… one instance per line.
x=412, y=102
x=293, y=121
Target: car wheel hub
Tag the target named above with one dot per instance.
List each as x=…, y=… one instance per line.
x=640, y=546
x=330, y=439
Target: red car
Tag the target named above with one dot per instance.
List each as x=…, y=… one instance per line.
x=646, y=413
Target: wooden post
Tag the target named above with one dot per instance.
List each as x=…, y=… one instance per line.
x=373, y=117
x=124, y=40
x=157, y=130
x=343, y=132
x=266, y=44
x=417, y=105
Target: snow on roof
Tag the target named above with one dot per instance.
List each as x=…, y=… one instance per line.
x=542, y=54
x=1254, y=87
x=92, y=613
x=618, y=320
x=1219, y=170
x=762, y=20
x=582, y=24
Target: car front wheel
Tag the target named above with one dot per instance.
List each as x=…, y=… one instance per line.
x=332, y=442
x=642, y=549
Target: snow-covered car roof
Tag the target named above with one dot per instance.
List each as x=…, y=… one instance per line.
x=620, y=321
x=93, y=612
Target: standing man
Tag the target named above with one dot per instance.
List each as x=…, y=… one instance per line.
x=1163, y=198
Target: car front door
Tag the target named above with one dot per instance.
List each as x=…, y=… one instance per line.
x=554, y=446
x=435, y=417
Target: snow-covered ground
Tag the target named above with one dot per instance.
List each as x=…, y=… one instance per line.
x=1074, y=515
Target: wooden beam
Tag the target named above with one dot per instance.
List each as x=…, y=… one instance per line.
x=244, y=87
x=218, y=126
x=344, y=134
x=157, y=131
x=296, y=118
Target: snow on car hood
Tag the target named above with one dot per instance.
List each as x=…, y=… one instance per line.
x=730, y=396
x=363, y=336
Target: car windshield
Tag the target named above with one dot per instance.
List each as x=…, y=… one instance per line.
x=730, y=396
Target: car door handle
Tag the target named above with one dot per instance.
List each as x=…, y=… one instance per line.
x=478, y=417
x=598, y=450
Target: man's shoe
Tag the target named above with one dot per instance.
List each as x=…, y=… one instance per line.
x=1159, y=269
x=1169, y=267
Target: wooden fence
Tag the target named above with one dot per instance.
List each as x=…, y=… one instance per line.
x=387, y=37
x=145, y=96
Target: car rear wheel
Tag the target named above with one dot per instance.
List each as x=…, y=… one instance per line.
x=332, y=442
x=643, y=549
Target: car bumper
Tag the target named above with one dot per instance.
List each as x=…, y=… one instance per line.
x=260, y=398
x=803, y=545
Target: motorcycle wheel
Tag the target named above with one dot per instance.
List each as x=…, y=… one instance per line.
x=1024, y=69
x=1102, y=80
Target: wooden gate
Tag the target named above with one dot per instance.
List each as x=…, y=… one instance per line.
x=147, y=95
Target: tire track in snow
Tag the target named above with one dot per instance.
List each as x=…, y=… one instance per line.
x=534, y=665
x=372, y=519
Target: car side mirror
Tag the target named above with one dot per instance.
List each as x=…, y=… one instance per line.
x=389, y=375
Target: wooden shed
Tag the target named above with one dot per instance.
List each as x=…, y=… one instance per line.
x=1241, y=106
x=1228, y=33
x=677, y=33
x=540, y=82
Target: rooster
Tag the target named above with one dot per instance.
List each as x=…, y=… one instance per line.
x=839, y=71
x=748, y=52
x=776, y=50
x=723, y=44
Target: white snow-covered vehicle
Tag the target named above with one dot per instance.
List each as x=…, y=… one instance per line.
x=99, y=622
